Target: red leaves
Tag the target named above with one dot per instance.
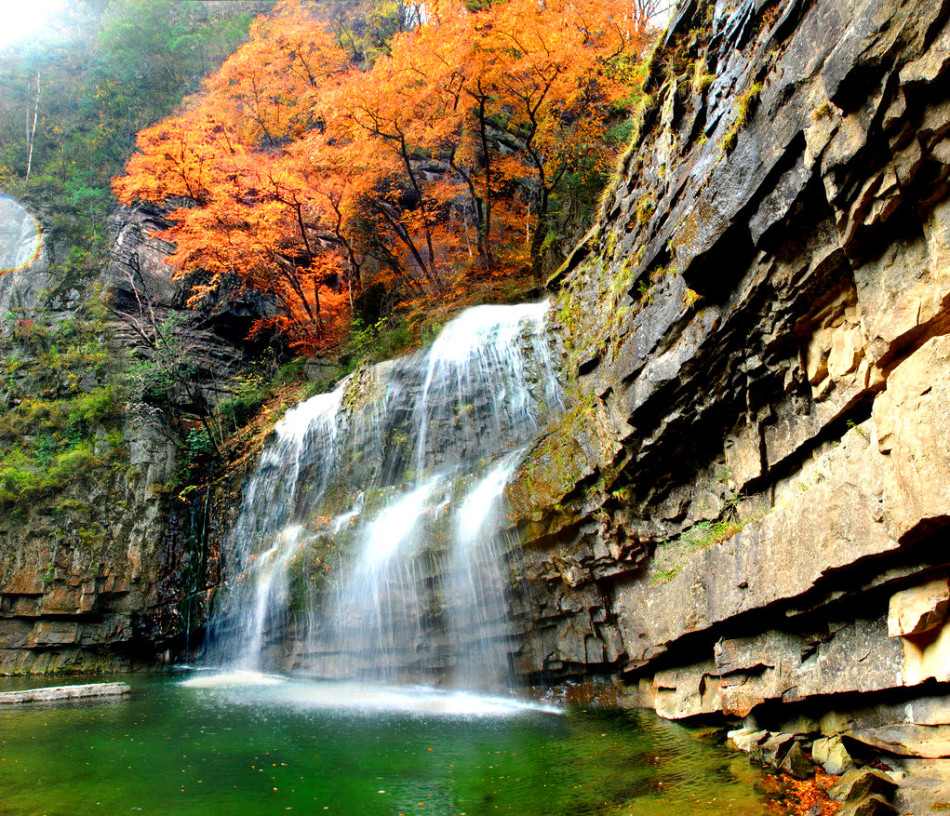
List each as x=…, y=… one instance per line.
x=794, y=797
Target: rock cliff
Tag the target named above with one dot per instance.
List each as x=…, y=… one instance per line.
x=746, y=512
x=95, y=561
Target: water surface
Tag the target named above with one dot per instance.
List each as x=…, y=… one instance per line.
x=287, y=746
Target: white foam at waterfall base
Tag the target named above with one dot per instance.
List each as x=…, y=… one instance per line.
x=232, y=679
x=262, y=690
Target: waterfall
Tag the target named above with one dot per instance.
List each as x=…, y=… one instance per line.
x=371, y=543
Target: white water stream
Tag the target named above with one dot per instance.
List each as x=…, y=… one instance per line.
x=370, y=545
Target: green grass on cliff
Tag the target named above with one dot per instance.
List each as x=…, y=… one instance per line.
x=61, y=403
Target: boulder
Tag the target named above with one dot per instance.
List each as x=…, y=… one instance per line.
x=832, y=755
x=868, y=806
x=744, y=739
x=862, y=782
x=838, y=760
x=796, y=763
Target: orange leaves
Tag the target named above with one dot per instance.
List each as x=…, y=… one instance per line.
x=512, y=97
x=315, y=307
x=794, y=797
x=269, y=89
x=295, y=174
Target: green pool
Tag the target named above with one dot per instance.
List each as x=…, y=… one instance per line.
x=290, y=746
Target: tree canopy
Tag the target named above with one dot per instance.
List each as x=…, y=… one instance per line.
x=427, y=149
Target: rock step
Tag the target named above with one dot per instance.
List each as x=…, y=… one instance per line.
x=53, y=693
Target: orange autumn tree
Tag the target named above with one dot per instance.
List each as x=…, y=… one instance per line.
x=523, y=93
x=497, y=107
x=300, y=174
x=242, y=209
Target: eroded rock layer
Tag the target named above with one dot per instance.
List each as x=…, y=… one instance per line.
x=101, y=572
x=749, y=504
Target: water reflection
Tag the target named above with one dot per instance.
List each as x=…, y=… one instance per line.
x=20, y=238
x=168, y=748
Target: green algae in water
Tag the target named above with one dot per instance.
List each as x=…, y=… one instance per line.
x=169, y=749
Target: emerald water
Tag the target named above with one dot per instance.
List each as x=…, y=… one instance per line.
x=171, y=749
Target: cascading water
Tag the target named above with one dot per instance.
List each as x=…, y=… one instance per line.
x=263, y=544
x=477, y=578
x=370, y=542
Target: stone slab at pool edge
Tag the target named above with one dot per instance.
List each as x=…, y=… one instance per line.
x=54, y=693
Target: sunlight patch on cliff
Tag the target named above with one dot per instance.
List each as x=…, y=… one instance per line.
x=20, y=238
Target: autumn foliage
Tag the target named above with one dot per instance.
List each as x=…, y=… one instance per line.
x=310, y=166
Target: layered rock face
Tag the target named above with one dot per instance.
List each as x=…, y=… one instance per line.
x=91, y=576
x=746, y=513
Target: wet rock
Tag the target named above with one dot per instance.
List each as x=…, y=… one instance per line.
x=872, y=805
x=775, y=748
x=686, y=692
x=57, y=693
x=832, y=755
x=796, y=764
x=744, y=739
x=861, y=782
x=782, y=441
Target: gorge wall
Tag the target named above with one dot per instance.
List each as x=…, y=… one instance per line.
x=747, y=511
x=100, y=566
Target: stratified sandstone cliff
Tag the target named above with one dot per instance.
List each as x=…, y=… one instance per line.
x=750, y=503
x=94, y=566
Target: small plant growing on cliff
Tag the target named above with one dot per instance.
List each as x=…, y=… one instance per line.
x=707, y=533
x=621, y=281
x=664, y=576
x=767, y=19
x=690, y=297
x=852, y=425
x=823, y=111
x=702, y=78
x=743, y=108
x=646, y=207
